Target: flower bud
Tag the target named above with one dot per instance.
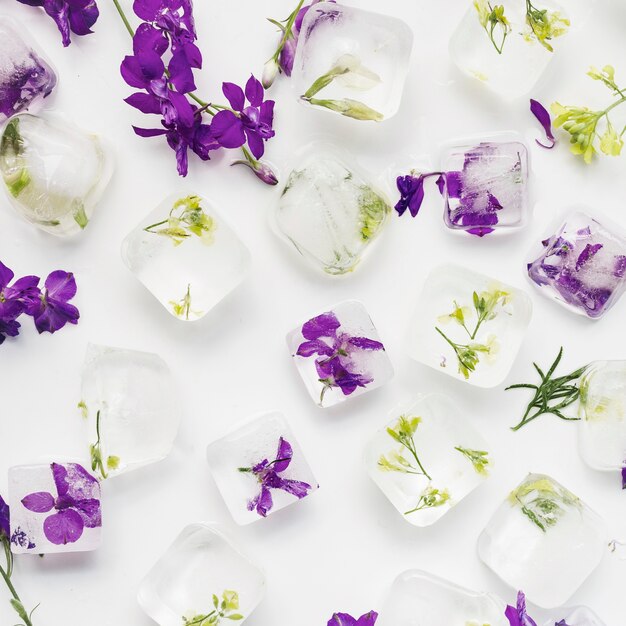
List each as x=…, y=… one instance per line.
x=261, y=170
x=270, y=71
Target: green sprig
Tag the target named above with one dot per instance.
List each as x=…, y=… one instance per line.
x=6, y=573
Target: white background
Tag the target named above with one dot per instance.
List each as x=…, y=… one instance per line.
x=341, y=548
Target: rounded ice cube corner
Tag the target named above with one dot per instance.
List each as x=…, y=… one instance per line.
x=339, y=355
x=186, y=255
x=54, y=173
x=352, y=62
x=468, y=325
x=427, y=459
x=202, y=565
x=582, y=264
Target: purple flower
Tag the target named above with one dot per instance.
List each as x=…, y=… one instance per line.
x=562, y=623
x=336, y=350
x=267, y=474
x=77, y=16
x=624, y=477
x=251, y=123
x=21, y=539
x=343, y=619
x=518, y=616
x=76, y=505
x=589, y=251
x=54, y=310
x=542, y=115
x=261, y=170
x=20, y=297
x=5, y=525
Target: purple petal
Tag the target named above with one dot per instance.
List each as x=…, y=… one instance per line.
x=147, y=37
x=58, y=11
x=149, y=132
x=145, y=102
x=255, y=143
x=284, y=454
x=90, y=511
x=54, y=315
x=287, y=56
x=296, y=488
x=59, y=474
x=234, y=94
x=181, y=73
x=147, y=10
x=40, y=502
x=83, y=19
x=63, y=527
x=254, y=92
x=324, y=325
x=587, y=254
x=81, y=485
x=6, y=275
x=624, y=477
x=543, y=116
x=369, y=619
x=315, y=346
x=228, y=129
x=184, y=110
x=5, y=526
x=454, y=184
x=267, y=113
x=264, y=502
x=342, y=619
x=365, y=344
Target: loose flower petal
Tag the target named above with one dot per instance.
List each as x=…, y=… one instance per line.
x=40, y=502
x=543, y=116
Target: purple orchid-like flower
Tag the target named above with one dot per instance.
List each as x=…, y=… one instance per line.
x=336, y=350
x=543, y=116
x=54, y=310
x=251, y=123
x=267, y=474
x=517, y=615
x=343, y=619
x=20, y=297
x=76, y=505
x=70, y=16
x=5, y=525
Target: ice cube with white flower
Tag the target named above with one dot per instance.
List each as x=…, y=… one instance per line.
x=602, y=412
x=330, y=212
x=55, y=507
x=578, y=616
x=543, y=539
x=352, y=61
x=339, y=355
x=186, y=255
x=130, y=408
x=468, y=325
x=54, y=173
x=508, y=45
x=428, y=458
x=582, y=266
x=26, y=77
x=201, y=579
x=260, y=468
x=418, y=598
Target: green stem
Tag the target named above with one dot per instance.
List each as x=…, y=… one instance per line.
x=287, y=31
x=7, y=580
x=129, y=28
x=414, y=453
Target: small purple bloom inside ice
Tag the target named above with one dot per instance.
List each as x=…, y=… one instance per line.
x=517, y=615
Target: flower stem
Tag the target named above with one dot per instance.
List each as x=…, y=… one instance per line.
x=16, y=603
x=129, y=28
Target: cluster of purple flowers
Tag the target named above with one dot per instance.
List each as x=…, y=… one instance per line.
x=70, y=16
x=343, y=619
x=164, y=58
x=49, y=308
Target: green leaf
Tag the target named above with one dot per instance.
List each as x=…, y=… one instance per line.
x=234, y=617
x=18, y=607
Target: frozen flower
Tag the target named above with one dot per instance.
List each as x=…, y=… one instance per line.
x=76, y=505
x=54, y=310
x=343, y=619
x=517, y=615
x=543, y=116
x=268, y=473
x=5, y=526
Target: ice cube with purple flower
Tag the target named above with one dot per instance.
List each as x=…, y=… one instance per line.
x=428, y=458
x=576, y=616
x=543, y=539
x=186, y=255
x=26, y=77
x=582, y=266
x=54, y=508
x=417, y=597
x=260, y=468
x=201, y=579
x=339, y=355
x=54, y=173
x=352, y=61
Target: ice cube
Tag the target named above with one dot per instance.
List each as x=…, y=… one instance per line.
x=602, y=430
x=582, y=266
x=130, y=406
x=54, y=508
x=339, y=354
x=329, y=212
x=579, y=616
x=352, y=61
x=507, y=54
x=544, y=540
x=54, y=173
x=418, y=598
x=26, y=78
x=427, y=459
x=201, y=568
x=486, y=186
x=259, y=468
x=186, y=255
x=468, y=325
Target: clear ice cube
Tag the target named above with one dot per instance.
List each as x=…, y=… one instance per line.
x=198, y=567
x=544, y=540
x=329, y=212
x=54, y=173
x=186, y=255
x=54, y=508
x=260, y=468
x=418, y=598
x=339, y=354
x=486, y=186
x=511, y=67
x=352, y=61
x=602, y=412
x=26, y=78
x=427, y=459
x=445, y=332
x=579, y=616
x=130, y=406
x=582, y=266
